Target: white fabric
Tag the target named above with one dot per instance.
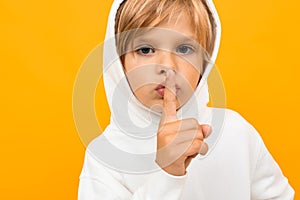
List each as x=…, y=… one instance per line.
x=119, y=164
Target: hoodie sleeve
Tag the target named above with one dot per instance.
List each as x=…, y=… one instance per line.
x=268, y=181
x=99, y=182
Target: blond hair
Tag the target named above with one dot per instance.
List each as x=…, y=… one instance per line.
x=136, y=14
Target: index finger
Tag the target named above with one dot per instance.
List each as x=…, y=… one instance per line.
x=169, y=104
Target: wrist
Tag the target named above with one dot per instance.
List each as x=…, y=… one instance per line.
x=175, y=171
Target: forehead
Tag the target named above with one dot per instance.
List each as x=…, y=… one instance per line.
x=177, y=28
x=159, y=35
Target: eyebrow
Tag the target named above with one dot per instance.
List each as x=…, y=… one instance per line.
x=152, y=40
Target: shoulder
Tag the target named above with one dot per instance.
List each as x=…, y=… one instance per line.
x=96, y=154
x=231, y=118
x=95, y=169
x=238, y=137
x=235, y=127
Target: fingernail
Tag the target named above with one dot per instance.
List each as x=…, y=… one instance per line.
x=203, y=149
x=170, y=72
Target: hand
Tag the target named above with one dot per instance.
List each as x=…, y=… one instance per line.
x=178, y=141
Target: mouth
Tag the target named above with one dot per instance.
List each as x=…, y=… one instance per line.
x=160, y=89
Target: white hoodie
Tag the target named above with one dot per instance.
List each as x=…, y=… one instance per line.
x=120, y=163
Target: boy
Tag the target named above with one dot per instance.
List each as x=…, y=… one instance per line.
x=157, y=92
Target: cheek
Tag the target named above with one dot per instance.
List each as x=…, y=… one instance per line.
x=191, y=69
x=132, y=61
x=129, y=62
x=191, y=75
x=142, y=93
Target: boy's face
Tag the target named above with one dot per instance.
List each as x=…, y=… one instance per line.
x=170, y=46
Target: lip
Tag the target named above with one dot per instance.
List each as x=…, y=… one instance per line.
x=160, y=89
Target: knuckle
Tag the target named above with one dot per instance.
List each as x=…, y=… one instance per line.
x=199, y=143
x=196, y=145
x=200, y=135
x=193, y=122
x=167, y=139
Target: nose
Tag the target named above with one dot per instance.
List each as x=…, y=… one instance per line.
x=167, y=60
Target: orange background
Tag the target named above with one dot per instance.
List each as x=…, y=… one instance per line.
x=43, y=44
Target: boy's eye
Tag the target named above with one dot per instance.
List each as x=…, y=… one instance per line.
x=184, y=49
x=145, y=50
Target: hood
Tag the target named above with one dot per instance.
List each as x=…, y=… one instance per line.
x=131, y=134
